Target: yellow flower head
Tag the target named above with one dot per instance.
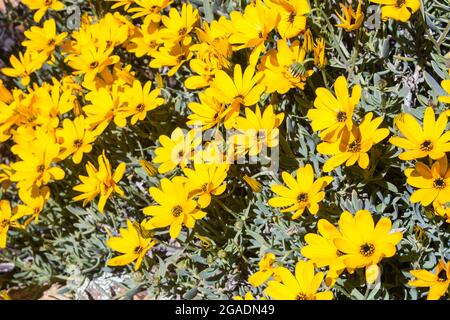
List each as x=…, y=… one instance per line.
x=33, y=203
x=103, y=108
x=7, y=220
x=400, y=10
x=292, y=16
x=256, y=132
x=145, y=42
x=430, y=140
x=252, y=28
x=438, y=281
x=285, y=68
x=150, y=9
x=76, y=138
x=173, y=56
x=206, y=180
x=176, y=150
x=351, y=20
x=42, y=6
x=131, y=244
x=23, y=67
x=442, y=210
x=301, y=286
x=44, y=39
x=92, y=60
x=266, y=270
x=179, y=26
x=36, y=168
x=353, y=146
x=121, y=3
x=100, y=182
x=301, y=193
x=176, y=207
x=320, y=57
x=363, y=243
x=139, y=100
x=207, y=113
x=322, y=251
x=331, y=114
x=433, y=183
x=243, y=89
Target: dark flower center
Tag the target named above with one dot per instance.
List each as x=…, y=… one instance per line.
x=140, y=107
x=301, y=296
x=341, y=116
x=302, y=197
x=155, y=9
x=442, y=275
x=78, y=143
x=204, y=187
x=177, y=211
x=138, y=250
x=439, y=183
x=182, y=31
x=339, y=253
x=400, y=3
x=367, y=249
x=41, y=168
x=48, y=3
x=51, y=42
x=239, y=98
x=427, y=145
x=291, y=18
x=354, y=147
x=93, y=65
x=4, y=223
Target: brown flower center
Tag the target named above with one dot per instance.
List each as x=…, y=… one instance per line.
x=93, y=65
x=51, y=42
x=140, y=107
x=291, y=18
x=302, y=197
x=354, y=147
x=138, y=250
x=367, y=249
x=339, y=253
x=40, y=168
x=442, y=276
x=4, y=223
x=400, y=3
x=427, y=145
x=439, y=183
x=177, y=211
x=48, y=3
x=182, y=31
x=78, y=143
x=341, y=116
x=205, y=187
x=301, y=296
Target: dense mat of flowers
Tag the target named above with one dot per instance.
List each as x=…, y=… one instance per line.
x=123, y=143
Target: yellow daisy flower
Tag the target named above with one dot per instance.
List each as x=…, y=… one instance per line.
x=150, y=9
x=353, y=146
x=350, y=20
x=176, y=207
x=292, y=16
x=176, y=150
x=331, y=114
x=44, y=39
x=7, y=220
x=363, y=243
x=23, y=67
x=132, y=244
x=400, y=10
x=302, y=286
x=206, y=180
x=42, y=6
x=433, y=183
x=266, y=270
x=430, y=140
x=438, y=281
x=446, y=85
x=178, y=26
x=301, y=193
x=100, y=182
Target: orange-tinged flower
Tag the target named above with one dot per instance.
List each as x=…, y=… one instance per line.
x=350, y=20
